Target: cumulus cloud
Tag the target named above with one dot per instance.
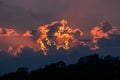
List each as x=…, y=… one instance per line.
x=57, y=34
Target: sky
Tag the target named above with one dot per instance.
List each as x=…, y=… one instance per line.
x=92, y=23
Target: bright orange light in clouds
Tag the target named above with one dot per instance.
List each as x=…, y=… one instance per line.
x=27, y=34
x=8, y=32
x=57, y=34
x=98, y=33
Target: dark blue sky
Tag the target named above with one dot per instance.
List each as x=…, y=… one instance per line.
x=23, y=15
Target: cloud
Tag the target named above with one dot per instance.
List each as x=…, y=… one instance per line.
x=1, y=2
x=16, y=17
x=103, y=32
x=57, y=34
x=23, y=14
x=24, y=17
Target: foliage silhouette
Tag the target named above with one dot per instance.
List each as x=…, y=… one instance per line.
x=92, y=67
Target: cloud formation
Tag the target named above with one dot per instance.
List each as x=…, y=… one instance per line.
x=24, y=16
x=57, y=34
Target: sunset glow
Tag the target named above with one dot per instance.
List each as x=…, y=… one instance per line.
x=58, y=34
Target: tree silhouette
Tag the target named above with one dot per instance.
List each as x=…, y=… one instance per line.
x=91, y=67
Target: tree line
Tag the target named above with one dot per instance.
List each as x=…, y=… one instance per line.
x=92, y=67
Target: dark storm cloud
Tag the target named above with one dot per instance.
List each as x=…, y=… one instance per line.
x=79, y=13
x=1, y=2
x=106, y=26
x=14, y=17
x=85, y=12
